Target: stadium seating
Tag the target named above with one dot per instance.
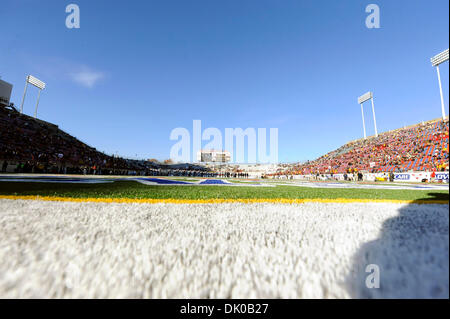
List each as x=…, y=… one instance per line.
x=32, y=145
x=422, y=147
x=40, y=144
x=40, y=147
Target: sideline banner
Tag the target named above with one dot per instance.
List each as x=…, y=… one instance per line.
x=402, y=177
x=416, y=177
x=412, y=177
x=442, y=176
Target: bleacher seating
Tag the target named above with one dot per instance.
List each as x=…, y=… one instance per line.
x=31, y=145
x=422, y=147
x=39, y=146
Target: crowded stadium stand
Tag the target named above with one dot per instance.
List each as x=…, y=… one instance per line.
x=421, y=147
x=29, y=145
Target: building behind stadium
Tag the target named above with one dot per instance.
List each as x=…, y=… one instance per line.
x=213, y=156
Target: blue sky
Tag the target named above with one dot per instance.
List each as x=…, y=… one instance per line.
x=135, y=70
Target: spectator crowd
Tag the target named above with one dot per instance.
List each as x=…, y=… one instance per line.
x=422, y=147
x=34, y=146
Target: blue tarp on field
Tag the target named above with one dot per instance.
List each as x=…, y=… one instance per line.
x=214, y=182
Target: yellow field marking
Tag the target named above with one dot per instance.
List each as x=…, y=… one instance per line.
x=218, y=201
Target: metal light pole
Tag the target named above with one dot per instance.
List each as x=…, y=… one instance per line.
x=440, y=90
x=37, y=103
x=364, y=125
x=23, y=98
x=435, y=61
x=374, y=118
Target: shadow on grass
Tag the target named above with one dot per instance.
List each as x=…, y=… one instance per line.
x=411, y=252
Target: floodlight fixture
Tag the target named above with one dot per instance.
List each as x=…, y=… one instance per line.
x=36, y=82
x=365, y=97
x=439, y=58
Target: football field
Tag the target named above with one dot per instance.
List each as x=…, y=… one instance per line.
x=123, y=238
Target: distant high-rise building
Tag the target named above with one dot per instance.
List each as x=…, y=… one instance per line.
x=212, y=156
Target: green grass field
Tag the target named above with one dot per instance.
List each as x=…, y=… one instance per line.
x=131, y=189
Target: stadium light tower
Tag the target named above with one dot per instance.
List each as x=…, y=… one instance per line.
x=37, y=83
x=435, y=61
x=363, y=98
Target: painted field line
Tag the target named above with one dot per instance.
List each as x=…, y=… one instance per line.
x=218, y=201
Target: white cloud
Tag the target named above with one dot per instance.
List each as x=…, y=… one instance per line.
x=52, y=69
x=87, y=77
